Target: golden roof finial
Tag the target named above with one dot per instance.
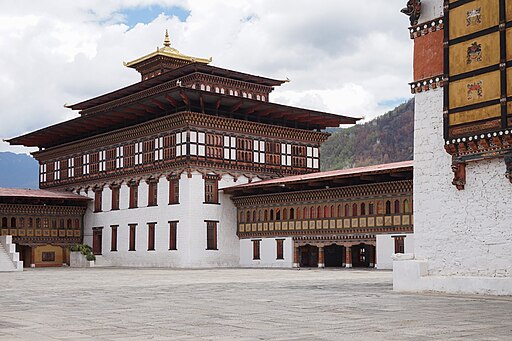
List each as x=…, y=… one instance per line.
x=167, y=41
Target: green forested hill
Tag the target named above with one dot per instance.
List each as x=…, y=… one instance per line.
x=388, y=138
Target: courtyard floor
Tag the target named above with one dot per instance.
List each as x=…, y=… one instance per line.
x=237, y=304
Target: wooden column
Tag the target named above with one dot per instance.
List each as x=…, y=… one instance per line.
x=321, y=263
x=33, y=260
x=371, y=255
x=296, y=256
x=348, y=257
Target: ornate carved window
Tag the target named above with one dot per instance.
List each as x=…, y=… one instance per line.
x=211, y=189
x=56, y=170
x=371, y=208
x=119, y=157
x=85, y=164
x=399, y=244
x=71, y=167
x=98, y=196
x=42, y=173
x=115, y=197
x=181, y=143
x=197, y=143
x=258, y=151
x=152, y=192
x=407, y=208
x=397, y=207
x=313, y=157
x=159, y=148
x=174, y=190
x=134, y=194
x=286, y=154
x=102, y=161
x=229, y=148
x=138, y=147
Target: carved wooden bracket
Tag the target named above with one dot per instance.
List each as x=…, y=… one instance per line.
x=459, y=174
x=508, y=163
x=412, y=10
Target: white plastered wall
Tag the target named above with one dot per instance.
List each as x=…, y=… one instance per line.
x=385, y=248
x=268, y=253
x=191, y=213
x=462, y=238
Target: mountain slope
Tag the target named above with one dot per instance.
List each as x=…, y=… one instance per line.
x=18, y=171
x=388, y=138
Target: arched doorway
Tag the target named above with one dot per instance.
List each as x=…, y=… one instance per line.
x=308, y=256
x=362, y=255
x=333, y=255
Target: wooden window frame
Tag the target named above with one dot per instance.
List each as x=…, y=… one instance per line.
x=399, y=244
x=152, y=192
x=173, y=235
x=279, y=249
x=174, y=190
x=98, y=200
x=256, y=249
x=132, y=241
x=211, y=234
x=151, y=236
x=211, y=189
x=113, y=237
x=134, y=195
x=115, y=193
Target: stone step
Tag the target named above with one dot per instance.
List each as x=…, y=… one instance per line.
x=9, y=258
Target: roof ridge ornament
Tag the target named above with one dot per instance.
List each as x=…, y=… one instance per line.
x=413, y=11
x=167, y=41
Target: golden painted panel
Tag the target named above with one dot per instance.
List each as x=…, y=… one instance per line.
x=259, y=227
x=265, y=227
x=270, y=227
x=318, y=224
x=371, y=221
x=339, y=223
x=388, y=221
x=62, y=233
x=5, y=232
x=284, y=225
x=355, y=222
x=325, y=224
x=475, y=114
x=474, y=90
x=77, y=233
x=509, y=9
x=509, y=79
x=475, y=54
x=276, y=226
x=362, y=222
x=14, y=232
x=473, y=17
x=69, y=233
x=405, y=220
x=346, y=223
x=30, y=233
x=55, y=233
x=312, y=225
x=38, y=233
x=298, y=225
x=291, y=225
x=241, y=228
x=46, y=233
x=21, y=233
x=332, y=224
x=380, y=221
x=396, y=220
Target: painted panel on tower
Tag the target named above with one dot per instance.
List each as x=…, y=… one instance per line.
x=473, y=17
x=474, y=54
x=474, y=90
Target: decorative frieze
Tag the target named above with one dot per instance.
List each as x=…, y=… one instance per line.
x=330, y=194
x=427, y=84
x=426, y=28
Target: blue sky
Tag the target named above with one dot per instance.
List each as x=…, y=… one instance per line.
x=147, y=14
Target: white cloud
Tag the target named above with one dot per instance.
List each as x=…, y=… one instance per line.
x=342, y=56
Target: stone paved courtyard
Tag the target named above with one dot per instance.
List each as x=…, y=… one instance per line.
x=237, y=304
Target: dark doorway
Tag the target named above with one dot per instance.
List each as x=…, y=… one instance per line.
x=308, y=256
x=25, y=253
x=333, y=255
x=361, y=255
x=96, y=241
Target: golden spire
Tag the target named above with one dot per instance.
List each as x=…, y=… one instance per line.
x=167, y=41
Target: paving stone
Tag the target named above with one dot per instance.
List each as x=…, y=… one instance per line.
x=237, y=304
